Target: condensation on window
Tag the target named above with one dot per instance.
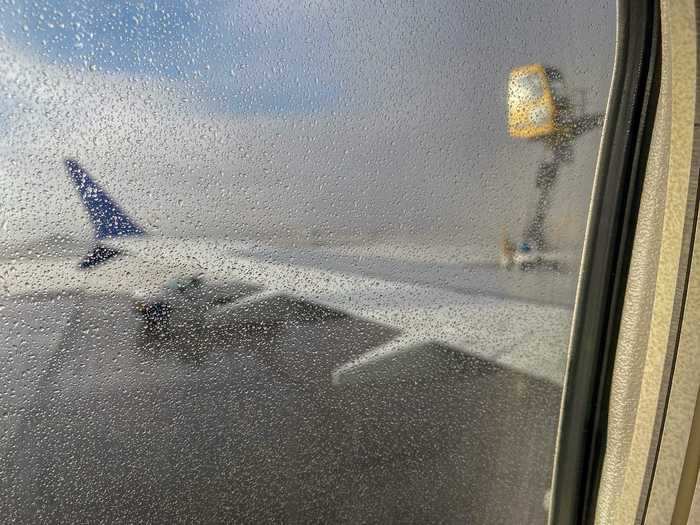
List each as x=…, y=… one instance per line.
x=527, y=88
x=273, y=261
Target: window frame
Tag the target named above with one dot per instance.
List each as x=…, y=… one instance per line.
x=607, y=250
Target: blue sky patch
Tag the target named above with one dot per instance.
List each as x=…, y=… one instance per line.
x=231, y=56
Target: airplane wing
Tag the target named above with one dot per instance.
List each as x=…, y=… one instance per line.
x=430, y=322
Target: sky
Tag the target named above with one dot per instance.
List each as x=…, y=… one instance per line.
x=285, y=121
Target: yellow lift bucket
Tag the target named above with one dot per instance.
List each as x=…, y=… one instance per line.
x=531, y=107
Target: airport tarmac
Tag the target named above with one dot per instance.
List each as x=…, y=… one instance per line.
x=460, y=272
x=104, y=422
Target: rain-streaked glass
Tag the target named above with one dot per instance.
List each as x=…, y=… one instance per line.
x=281, y=261
x=526, y=88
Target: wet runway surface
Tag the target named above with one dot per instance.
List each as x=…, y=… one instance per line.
x=534, y=286
x=217, y=422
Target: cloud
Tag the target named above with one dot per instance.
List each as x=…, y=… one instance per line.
x=409, y=142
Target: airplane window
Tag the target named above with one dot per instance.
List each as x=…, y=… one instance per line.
x=273, y=261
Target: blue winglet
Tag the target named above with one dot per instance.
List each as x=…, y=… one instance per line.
x=107, y=218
